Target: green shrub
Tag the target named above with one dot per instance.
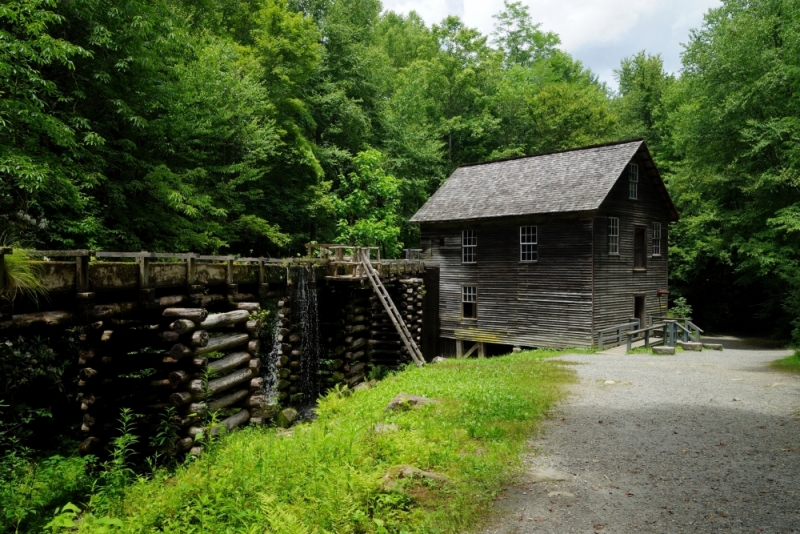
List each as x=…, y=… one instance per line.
x=680, y=309
x=30, y=488
x=328, y=475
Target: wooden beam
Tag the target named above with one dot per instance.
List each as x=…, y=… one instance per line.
x=473, y=349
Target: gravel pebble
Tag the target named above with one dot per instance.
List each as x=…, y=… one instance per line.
x=666, y=449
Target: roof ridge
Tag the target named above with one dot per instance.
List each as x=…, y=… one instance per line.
x=588, y=147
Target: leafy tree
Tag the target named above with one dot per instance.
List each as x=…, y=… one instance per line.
x=642, y=85
x=366, y=204
x=734, y=127
x=520, y=40
x=42, y=146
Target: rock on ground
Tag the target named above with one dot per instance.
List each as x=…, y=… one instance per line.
x=404, y=401
x=666, y=449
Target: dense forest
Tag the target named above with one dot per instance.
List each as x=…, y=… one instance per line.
x=254, y=126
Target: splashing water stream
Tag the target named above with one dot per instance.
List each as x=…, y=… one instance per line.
x=308, y=321
x=270, y=372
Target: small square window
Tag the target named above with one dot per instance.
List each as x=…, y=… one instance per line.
x=656, y=239
x=633, y=181
x=469, y=302
x=613, y=235
x=528, y=244
x=469, y=246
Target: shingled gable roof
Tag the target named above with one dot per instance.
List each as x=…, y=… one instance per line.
x=557, y=182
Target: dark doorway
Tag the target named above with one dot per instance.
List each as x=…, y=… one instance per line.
x=640, y=310
x=639, y=250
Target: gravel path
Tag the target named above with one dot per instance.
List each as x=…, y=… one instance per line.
x=698, y=442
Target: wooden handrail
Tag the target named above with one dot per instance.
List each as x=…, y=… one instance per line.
x=618, y=329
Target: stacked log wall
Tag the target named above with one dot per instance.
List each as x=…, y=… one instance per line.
x=159, y=359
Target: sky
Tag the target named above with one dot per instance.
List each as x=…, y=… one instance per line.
x=598, y=32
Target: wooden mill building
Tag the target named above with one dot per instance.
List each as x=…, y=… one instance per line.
x=547, y=250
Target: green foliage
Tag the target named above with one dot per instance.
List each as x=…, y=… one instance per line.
x=23, y=275
x=29, y=371
x=733, y=126
x=69, y=517
x=326, y=475
x=642, y=86
x=366, y=205
x=244, y=126
x=30, y=487
x=680, y=309
x=520, y=40
x=117, y=472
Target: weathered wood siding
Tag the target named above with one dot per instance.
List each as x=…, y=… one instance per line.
x=615, y=280
x=543, y=304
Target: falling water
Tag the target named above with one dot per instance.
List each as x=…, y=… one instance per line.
x=270, y=372
x=308, y=321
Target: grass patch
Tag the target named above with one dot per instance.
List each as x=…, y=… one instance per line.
x=326, y=476
x=790, y=364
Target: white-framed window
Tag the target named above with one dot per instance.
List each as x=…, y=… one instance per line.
x=613, y=235
x=633, y=181
x=656, y=239
x=528, y=243
x=469, y=302
x=469, y=245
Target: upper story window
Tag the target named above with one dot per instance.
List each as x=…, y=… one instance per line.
x=633, y=181
x=613, y=235
x=528, y=243
x=469, y=245
x=469, y=302
x=656, y=239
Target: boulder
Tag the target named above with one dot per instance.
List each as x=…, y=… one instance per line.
x=692, y=345
x=404, y=401
x=712, y=346
x=286, y=417
x=664, y=350
x=381, y=428
x=438, y=359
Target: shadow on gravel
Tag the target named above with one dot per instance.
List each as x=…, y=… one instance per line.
x=679, y=468
x=745, y=343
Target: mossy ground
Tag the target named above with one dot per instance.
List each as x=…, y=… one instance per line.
x=326, y=476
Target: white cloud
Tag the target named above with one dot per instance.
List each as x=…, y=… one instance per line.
x=598, y=32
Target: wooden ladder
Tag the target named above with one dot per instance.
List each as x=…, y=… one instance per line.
x=390, y=308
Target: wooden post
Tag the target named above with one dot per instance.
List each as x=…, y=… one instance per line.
x=82, y=272
x=459, y=348
x=481, y=350
x=229, y=264
x=191, y=269
x=144, y=271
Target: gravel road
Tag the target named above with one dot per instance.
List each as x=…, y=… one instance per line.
x=697, y=442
